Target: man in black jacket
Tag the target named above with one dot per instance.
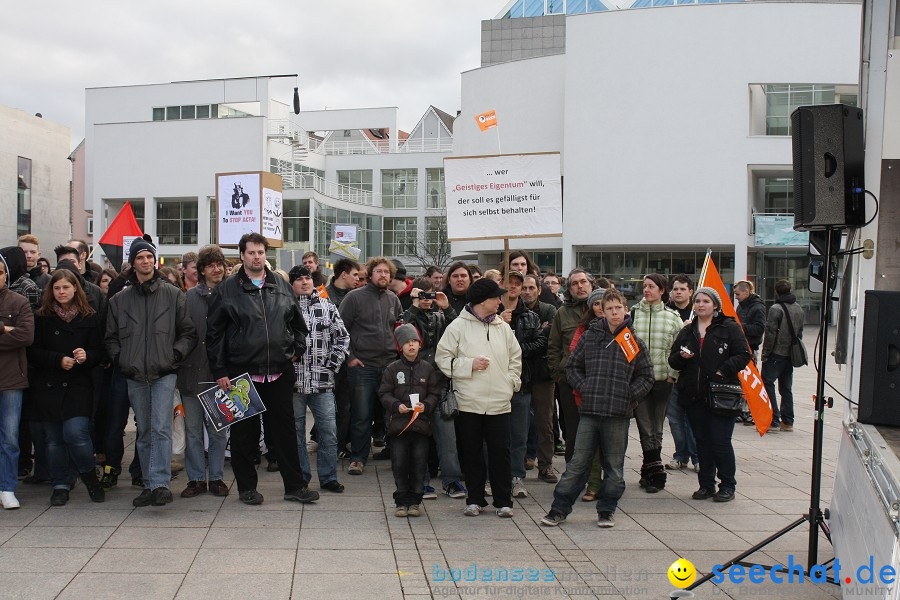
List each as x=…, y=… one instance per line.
x=32, y=248
x=255, y=326
x=148, y=334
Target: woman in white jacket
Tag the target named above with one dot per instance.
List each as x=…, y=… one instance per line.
x=479, y=352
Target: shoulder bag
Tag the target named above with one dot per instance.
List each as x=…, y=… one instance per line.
x=724, y=399
x=448, y=407
x=798, y=350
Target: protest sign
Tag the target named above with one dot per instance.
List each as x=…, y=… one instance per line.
x=241, y=402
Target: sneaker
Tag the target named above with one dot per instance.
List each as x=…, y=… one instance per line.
x=401, y=512
x=356, y=468
x=548, y=475
x=414, y=511
x=194, y=489
x=589, y=496
x=472, y=510
x=428, y=493
x=137, y=482
x=675, y=465
x=487, y=489
x=145, y=499
x=251, y=497
x=378, y=441
x=333, y=486
x=518, y=488
x=344, y=455
x=303, y=496
x=559, y=449
x=703, y=494
x=110, y=478
x=553, y=518
x=59, y=497
x=272, y=466
x=9, y=500
x=785, y=427
x=606, y=520
x=161, y=496
x=724, y=496
x=505, y=512
x=176, y=466
x=92, y=484
x=312, y=446
x=529, y=464
x=749, y=423
x=456, y=490
x=218, y=487
x=383, y=454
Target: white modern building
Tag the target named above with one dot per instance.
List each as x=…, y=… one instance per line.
x=673, y=124
x=160, y=146
x=34, y=179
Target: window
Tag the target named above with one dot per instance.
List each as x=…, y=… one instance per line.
x=159, y=114
x=23, y=197
x=137, y=207
x=369, y=238
x=400, y=236
x=360, y=180
x=296, y=220
x=435, y=197
x=436, y=243
x=173, y=113
x=399, y=188
x=212, y=220
x=778, y=195
x=190, y=111
x=783, y=99
x=176, y=221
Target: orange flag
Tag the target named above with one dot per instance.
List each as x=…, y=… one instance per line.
x=486, y=120
x=751, y=381
x=627, y=344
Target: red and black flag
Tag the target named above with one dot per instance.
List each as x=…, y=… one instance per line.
x=123, y=227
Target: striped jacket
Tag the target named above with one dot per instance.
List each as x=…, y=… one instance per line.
x=657, y=326
x=326, y=345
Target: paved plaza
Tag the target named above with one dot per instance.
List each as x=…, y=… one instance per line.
x=351, y=546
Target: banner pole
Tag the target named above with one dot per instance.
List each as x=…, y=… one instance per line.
x=506, y=262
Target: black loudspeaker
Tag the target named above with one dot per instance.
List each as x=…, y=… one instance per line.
x=879, y=374
x=828, y=167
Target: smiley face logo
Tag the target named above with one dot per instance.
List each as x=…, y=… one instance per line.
x=682, y=573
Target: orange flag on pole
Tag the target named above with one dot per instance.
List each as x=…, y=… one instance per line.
x=627, y=343
x=751, y=381
x=486, y=120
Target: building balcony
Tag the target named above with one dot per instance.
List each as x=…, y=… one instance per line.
x=330, y=189
x=288, y=132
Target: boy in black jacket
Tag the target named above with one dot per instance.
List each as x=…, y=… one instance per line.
x=409, y=394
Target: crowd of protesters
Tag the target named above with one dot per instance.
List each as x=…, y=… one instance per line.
x=459, y=377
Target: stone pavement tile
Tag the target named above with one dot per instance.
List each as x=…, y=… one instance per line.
x=352, y=561
x=589, y=536
x=145, y=585
x=618, y=562
x=20, y=517
x=356, y=504
x=245, y=538
x=333, y=519
x=172, y=515
x=60, y=537
x=258, y=518
x=682, y=541
x=788, y=508
x=767, y=524
x=236, y=586
x=44, y=560
x=29, y=586
x=797, y=540
x=347, y=586
x=156, y=537
x=660, y=505
x=8, y=532
x=738, y=507
x=775, y=492
x=256, y=560
x=327, y=540
x=131, y=560
x=78, y=517
x=693, y=522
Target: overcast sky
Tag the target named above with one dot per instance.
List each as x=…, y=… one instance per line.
x=349, y=53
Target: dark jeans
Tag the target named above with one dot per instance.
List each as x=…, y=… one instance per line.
x=409, y=459
x=101, y=378
x=279, y=421
x=569, y=415
x=342, y=394
x=68, y=440
x=364, y=382
x=713, y=435
x=117, y=409
x=781, y=369
x=542, y=404
x=474, y=431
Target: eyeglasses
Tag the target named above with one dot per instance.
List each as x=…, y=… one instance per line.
x=381, y=272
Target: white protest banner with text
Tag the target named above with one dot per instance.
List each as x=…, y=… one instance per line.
x=503, y=196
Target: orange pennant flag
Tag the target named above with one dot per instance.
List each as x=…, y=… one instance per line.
x=627, y=344
x=751, y=381
x=486, y=120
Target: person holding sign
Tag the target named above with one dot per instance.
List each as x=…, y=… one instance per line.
x=612, y=371
x=712, y=349
x=409, y=393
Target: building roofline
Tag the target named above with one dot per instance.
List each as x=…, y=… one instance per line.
x=108, y=87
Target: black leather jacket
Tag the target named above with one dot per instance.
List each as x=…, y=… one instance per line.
x=254, y=330
x=148, y=330
x=532, y=338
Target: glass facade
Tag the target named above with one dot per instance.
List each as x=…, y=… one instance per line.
x=539, y=8
x=778, y=195
x=176, y=221
x=296, y=219
x=400, y=236
x=370, y=228
x=783, y=99
x=435, y=192
x=360, y=179
x=399, y=188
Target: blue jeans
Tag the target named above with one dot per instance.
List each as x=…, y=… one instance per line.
x=780, y=368
x=714, y=447
x=117, y=409
x=364, y=382
x=444, y=433
x=10, y=415
x=68, y=439
x=152, y=404
x=610, y=434
x=682, y=434
x=324, y=410
x=518, y=432
x=194, y=460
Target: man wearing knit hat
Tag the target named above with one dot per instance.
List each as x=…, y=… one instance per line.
x=148, y=335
